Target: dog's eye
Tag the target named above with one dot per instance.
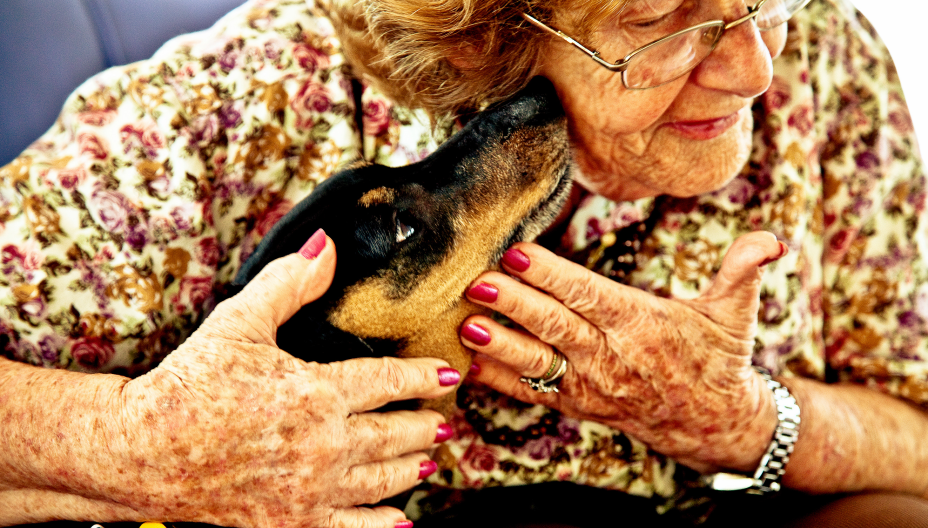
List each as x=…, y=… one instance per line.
x=403, y=231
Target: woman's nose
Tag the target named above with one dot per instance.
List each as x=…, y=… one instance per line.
x=740, y=63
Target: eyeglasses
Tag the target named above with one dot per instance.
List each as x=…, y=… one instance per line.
x=673, y=56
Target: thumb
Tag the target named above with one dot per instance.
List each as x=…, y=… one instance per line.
x=733, y=298
x=276, y=293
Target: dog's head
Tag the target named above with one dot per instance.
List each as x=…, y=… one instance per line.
x=410, y=240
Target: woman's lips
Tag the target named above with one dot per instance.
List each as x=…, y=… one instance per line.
x=702, y=130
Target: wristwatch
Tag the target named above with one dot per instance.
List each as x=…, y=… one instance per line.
x=766, y=479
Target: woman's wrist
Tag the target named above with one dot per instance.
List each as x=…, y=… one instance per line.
x=856, y=439
x=741, y=450
x=60, y=428
x=767, y=476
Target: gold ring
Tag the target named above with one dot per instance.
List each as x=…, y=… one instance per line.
x=548, y=382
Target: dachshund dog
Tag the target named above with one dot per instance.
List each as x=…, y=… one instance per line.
x=410, y=240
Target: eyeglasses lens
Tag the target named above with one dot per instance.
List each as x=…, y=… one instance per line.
x=667, y=60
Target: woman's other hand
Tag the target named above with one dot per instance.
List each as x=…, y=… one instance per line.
x=675, y=374
x=231, y=430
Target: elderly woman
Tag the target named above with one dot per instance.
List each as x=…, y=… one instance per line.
x=749, y=193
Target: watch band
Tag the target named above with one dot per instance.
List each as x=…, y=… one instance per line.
x=766, y=479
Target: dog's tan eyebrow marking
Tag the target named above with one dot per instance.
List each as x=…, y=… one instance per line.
x=380, y=195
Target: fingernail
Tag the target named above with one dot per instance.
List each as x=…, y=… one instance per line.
x=314, y=245
x=403, y=524
x=476, y=334
x=516, y=260
x=474, y=369
x=483, y=292
x=784, y=249
x=444, y=432
x=448, y=377
x=427, y=468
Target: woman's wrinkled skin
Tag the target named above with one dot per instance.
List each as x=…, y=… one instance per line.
x=675, y=374
x=625, y=141
x=232, y=431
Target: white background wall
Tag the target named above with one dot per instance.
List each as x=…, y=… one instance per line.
x=902, y=25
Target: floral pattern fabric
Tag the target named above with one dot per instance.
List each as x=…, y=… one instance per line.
x=123, y=223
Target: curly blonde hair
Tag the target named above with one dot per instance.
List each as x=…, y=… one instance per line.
x=452, y=56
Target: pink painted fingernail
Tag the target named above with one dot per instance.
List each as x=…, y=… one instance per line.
x=444, y=432
x=427, y=468
x=516, y=260
x=314, y=245
x=483, y=292
x=474, y=369
x=403, y=524
x=476, y=334
x=784, y=249
x=448, y=377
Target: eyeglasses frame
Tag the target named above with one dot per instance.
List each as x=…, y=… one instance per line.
x=621, y=66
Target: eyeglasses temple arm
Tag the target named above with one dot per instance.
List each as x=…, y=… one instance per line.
x=752, y=13
x=618, y=67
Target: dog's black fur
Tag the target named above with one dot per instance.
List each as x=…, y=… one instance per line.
x=508, y=166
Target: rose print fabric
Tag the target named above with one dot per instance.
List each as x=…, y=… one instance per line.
x=121, y=226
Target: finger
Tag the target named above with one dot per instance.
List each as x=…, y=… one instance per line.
x=380, y=516
x=596, y=298
x=502, y=378
x=743, y=265
x=732, y=299
x=371, y=483
x=539, y=313
x=520, y=351
x=384, y=436
x=369, y=383
x=277, y=292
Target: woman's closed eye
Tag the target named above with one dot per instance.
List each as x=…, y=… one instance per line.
x=644, y=24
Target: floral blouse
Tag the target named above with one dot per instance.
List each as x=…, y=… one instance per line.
x=121, y=225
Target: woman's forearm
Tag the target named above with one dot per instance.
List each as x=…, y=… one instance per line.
x=55, y=444
x=855, y=439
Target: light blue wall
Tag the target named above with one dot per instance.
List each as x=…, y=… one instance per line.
x=48, y=47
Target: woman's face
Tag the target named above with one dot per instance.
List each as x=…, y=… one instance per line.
x=684, y=138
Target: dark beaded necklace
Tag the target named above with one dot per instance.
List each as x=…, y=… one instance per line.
x=614, y=253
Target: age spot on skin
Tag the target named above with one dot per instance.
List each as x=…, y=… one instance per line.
x=182, y=451
x=287, y=432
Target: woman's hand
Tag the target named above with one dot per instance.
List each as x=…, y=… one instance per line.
x=230, y=430
x=674, y=374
